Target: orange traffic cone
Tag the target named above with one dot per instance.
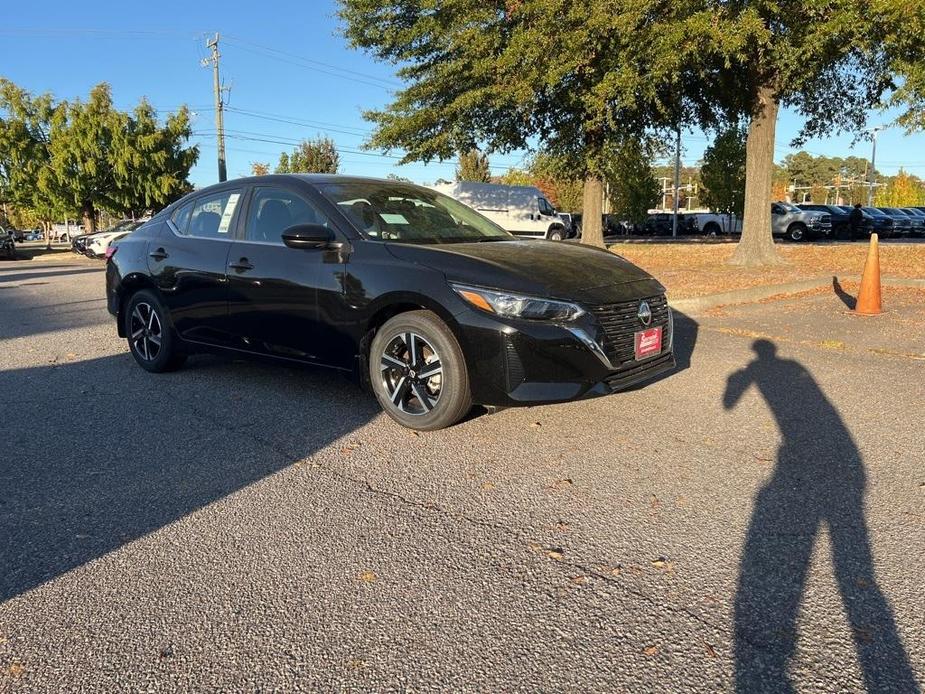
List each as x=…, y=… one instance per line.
x=869, y=303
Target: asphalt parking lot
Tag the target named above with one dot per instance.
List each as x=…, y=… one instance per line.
x=757, y=516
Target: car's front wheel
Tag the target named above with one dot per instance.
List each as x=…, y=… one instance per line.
x=796, y=232
x=418, y=372
x=150, y=337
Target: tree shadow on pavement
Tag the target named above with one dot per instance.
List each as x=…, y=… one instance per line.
x=846, y=298
x=819, y=479
x=99, y=453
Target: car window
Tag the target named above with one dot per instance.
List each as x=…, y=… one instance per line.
x=180, y=218
x=273, y=210
x=545, y=207
x=777, y=209
x=211, y=215
x=399, y=212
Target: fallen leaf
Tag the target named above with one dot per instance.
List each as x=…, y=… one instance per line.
x=862, y=582
x=15, y=671
x=487, y=486
x=654, y=503
x=536, y=424
x=864, y=634
x=662, y=564
x=650, y=650
x=368, y=576
x=709, y=649
x=561, y=484
x=562, y=526
x=580, y=580
x=356, y=664
x=555, y=553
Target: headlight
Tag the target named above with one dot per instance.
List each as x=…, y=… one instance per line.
x=517, y=306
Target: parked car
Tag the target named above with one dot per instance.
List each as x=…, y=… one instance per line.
x=916, y=223
x=868, y=222
x=433, y=305
x=791, y=222
x=521, y=210
x=902, y=223
x=916, y=214
x=7, y=247
x=883, y=224
x=95, y=245
x=841, y=228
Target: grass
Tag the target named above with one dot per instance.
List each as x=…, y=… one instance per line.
x=696, y=269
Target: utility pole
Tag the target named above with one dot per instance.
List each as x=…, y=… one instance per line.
x=873, y=159
x=677, y=183
x=212, y=45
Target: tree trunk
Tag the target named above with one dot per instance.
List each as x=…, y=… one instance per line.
x=89, y=218
x=756, y=247
x=592, y=231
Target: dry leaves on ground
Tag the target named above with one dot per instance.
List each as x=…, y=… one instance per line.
x=696, y=269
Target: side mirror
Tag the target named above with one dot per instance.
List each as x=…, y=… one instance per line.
x=307, y=236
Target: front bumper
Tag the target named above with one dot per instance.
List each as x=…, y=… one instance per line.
x=519, y=362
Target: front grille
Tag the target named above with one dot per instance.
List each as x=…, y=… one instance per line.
x=620, y=322
x=639, y=371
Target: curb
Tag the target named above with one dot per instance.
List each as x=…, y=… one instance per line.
x=753, y=294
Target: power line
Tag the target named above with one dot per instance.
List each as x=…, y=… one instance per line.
x=311, y=61
x=339, y=75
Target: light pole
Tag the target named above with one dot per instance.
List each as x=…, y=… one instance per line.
x=873, y=158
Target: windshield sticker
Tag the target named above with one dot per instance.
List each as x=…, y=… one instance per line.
x=393, y=218
x=228, y=213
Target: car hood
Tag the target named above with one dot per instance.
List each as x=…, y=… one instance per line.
x=550, y=269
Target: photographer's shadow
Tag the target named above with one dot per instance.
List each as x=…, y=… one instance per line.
x=819, y=479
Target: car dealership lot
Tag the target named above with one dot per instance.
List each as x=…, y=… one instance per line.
x=235, y=525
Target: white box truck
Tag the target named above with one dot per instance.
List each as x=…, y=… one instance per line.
x=521, y=210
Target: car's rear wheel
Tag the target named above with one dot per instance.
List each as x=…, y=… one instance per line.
x=418, y=372
x=151, y=340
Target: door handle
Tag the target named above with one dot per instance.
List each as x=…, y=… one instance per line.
x=159, y=254
x=241, y=265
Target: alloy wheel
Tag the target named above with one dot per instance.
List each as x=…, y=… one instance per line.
x=412, y=374
x=146, y=331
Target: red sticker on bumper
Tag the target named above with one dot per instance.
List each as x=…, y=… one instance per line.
x=648, y=342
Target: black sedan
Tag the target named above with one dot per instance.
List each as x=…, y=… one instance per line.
x=423, y=299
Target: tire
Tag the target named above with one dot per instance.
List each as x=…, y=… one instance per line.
x=796, y=232
x=711, y=229
x=428, y=403
x=151, y=340
x=556, y=234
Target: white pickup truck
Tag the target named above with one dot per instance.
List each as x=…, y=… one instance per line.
x=787, y=220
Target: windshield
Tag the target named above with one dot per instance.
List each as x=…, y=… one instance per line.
x=874, y=211
x=406, y=213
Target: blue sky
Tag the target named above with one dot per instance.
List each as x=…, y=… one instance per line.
x=291, y=74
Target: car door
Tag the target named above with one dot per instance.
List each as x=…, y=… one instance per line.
x=187, y=262
x=273, y=289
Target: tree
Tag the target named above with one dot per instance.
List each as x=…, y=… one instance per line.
x=829, y=62
x=311, y=156
x=901, y=190
x=24, y=151
x=259, y=168
x=396, y=177
x=723, y=172
x=495, y=73
x=473, y=166
x=68, y=158
x=150, y=161
x=633, y=188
